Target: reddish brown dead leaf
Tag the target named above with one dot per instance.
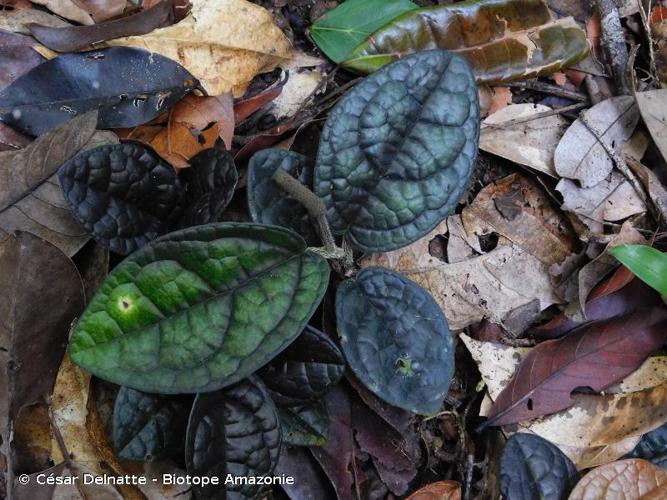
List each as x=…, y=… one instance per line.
x=595, y=356
x=243, y=108
x=632, y=479
x=441, y=490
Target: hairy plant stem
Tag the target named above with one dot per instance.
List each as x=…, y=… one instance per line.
x=316, y=209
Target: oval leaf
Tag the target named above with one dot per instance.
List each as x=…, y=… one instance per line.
x=628, y=479
x=306, y=370
x=532, y=467
x=235, y=431
x=305, y=425
x=209, y=186
x=647, y=263
x=123, y=194
x=147, y=426
x=200, y=308
x=128, y=86
x=398, y=150
x=269, y=203
x=395, y=339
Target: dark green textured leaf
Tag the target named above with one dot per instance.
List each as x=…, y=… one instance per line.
x=531, y=467
x=148, y=426
x=124, y=195
x=128, y=86
x=305, y=425
x=653, y=447
x=210, y=182
x=200, y=308
x=647, y=263
x=306, y=370
x=340, y=30
x=503, y=40
x=395, y=339
x=234, y=431
x=398, y=150
x=268, y=203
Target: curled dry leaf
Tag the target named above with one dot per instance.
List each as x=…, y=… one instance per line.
x=530, y=143
x=440, y=490
x=224, y=44
x=631, y=479
x=491, y=285
x=581, y=156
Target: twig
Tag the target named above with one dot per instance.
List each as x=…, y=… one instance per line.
x=547, y=88
x=316, y=209
x=536, y=116
x=613, y=41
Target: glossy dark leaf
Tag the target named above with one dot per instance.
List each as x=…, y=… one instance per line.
x=312, y=484
x=71, y=38
x=200, y=308
x=395, y=339
x=531, y=467
x=30, y=196
x=210, y=182
x=652, y=447
x=306, y=370
x=128, y=86
x=340, y=30
x=596, y=355
x=147, y=426
x=305, y=425
x=234, y=431
x=124, y=195
x=503, y=40
x=267, y=202
x=398, y=150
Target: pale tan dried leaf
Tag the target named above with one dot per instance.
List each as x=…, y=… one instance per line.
x=440, y=490
x=296, y=93
x=531, y=143
x=519, y=210
x=653, y=108
x=579, y=155
x=632, y=479
x=224, y=44
x=587, y=457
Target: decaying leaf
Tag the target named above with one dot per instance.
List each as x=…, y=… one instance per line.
x=440, y=490
x=654, y=113
x=17, y=20
x=530, y=143
x=503, y=40
x=88, y=12
x=633, y=478
x=16, y=56
x=30, y=195
x=581, y=156
x=223, y=43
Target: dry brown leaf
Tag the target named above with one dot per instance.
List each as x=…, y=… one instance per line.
x=440, y=490
x=632, y=479
x=587, y=457
x=518, y=209
x=580, y=156
x=88, y=12
x=613, y=199
x=16, y=20
x=653, y=109
x=492, y=285
x=224, y=44
x=530, y=143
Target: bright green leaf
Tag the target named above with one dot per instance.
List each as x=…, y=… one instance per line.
x=647, y=263
x=200, y=308
x=340, y=30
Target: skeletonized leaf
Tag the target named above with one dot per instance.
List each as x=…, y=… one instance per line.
x=398, y=150
x=223, y=43
x=647, y=263
x=532, y=467
x=124, y=195
x=30, y=196
x=595, y=356
x=395, y=339
x=200, y=308
x=127, y=86
x=579, y=155
x=340, y=30
x=234, y=431
x=632, y=479
x=503, y=40
x=148, y=426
